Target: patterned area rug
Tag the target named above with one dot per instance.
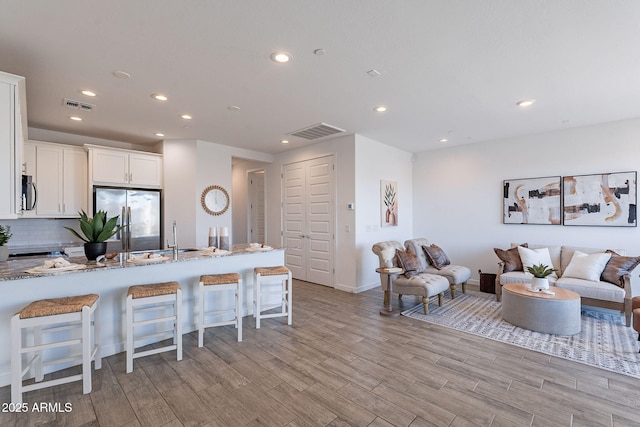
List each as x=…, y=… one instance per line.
x=605, y=342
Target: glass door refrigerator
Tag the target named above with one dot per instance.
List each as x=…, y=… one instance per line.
x=140, y=209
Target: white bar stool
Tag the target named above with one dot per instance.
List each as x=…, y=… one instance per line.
x=219, y=283
x=281, y=276
x=54, y=316
x=142, y=299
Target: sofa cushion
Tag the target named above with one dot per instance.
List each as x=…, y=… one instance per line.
x=531, y=257
x=554, y=254
x=568, y=251
x=587, y=267
x=520, y=277
x=436, y=256
x=617, y=267
x=409, y=263
x=511, y=258
x=597, y=290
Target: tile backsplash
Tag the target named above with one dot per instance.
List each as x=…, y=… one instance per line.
x=41, y=232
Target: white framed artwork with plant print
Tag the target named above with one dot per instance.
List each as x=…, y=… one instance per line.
x=388, y=203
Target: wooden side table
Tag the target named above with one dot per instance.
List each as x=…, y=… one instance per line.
x=388, y=309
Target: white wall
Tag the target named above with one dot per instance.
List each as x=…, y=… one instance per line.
x=375, y=161
x=458, y=196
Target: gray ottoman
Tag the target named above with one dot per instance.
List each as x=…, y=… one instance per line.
x=557, y=314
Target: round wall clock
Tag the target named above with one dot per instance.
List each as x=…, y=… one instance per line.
x=215, y=200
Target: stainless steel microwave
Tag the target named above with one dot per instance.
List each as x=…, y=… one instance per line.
x=29, y=193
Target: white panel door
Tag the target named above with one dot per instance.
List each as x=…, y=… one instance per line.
x=309, y=218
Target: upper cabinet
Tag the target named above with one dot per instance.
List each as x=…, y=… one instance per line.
x=13, y=129
x=124, y=168
x=60, y=176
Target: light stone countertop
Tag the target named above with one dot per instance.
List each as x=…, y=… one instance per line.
x=15, y=268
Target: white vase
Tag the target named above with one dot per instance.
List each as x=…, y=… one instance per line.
x=540, y=283
x=4, y=253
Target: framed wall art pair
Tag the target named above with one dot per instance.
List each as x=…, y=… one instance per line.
x=607, y=199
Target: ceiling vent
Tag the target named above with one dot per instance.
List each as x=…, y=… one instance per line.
x=317, y=131
x=77, y=105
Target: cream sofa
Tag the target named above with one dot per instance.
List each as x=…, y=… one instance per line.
x=601, y=293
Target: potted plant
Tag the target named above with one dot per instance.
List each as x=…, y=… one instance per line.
x=540, y=273
x=5, y=235
x=95, y=232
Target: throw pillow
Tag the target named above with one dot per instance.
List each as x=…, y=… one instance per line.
x=617, y=267
x=531, y=257
x=436, y=256
x=511, y=258
x=409, y=263
x=586, y=267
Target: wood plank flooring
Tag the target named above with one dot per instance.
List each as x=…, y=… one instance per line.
x=342, y=364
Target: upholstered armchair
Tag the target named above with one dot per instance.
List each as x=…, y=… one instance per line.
x=418, y=283
x=455, y=274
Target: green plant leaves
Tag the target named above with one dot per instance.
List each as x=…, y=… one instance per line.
x=96, y=229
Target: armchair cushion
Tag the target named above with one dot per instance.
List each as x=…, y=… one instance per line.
x=409, y=262
x=617, y=267
x=436, y=256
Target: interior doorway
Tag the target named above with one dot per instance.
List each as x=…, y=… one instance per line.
x=256, y=207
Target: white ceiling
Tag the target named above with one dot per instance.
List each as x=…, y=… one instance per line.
x=449, y=68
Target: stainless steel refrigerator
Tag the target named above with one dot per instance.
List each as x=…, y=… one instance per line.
x=137, y=207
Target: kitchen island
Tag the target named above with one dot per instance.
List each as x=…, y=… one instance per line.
x=111, y=281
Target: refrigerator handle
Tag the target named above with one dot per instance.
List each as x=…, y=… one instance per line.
x=129, y=227
x=121, y=233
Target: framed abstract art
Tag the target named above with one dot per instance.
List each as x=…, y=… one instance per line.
x=531, y=201
x=607, y=199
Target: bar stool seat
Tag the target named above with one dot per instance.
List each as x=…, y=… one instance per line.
x=48, y=316
x=150, y=303
x=278, y=275
x=219, y=283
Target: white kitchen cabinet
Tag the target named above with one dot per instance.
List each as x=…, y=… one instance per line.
x=13, y=128
x=124, y=167
x=60, y=178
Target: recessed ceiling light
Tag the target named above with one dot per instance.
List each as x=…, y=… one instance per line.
x=159, y=96
x=380, y=109
x=284, y=141
x=121, y=75
x=233, y=108
x=525, y=102
x=281, y=57
x=373, y=73
x=88, y=93
x=320, y=52
x=159, y=134
x=186, y=117
x=444, y=140
x=76, y=118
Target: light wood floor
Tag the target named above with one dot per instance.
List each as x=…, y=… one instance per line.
x=340, y=364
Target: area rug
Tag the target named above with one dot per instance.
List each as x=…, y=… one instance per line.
x=605, y=342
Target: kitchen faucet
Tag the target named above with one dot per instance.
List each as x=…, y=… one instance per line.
x=175, y=242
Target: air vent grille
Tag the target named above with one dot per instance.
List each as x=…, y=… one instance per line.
x=77, y=105
x=316, y=131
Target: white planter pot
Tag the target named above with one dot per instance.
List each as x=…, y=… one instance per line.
x=4, y=253
x=540, y=283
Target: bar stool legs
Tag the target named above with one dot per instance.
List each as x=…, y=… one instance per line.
x=272, y=275
x=143, y=299
x=55, y=315
x=219, y=283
